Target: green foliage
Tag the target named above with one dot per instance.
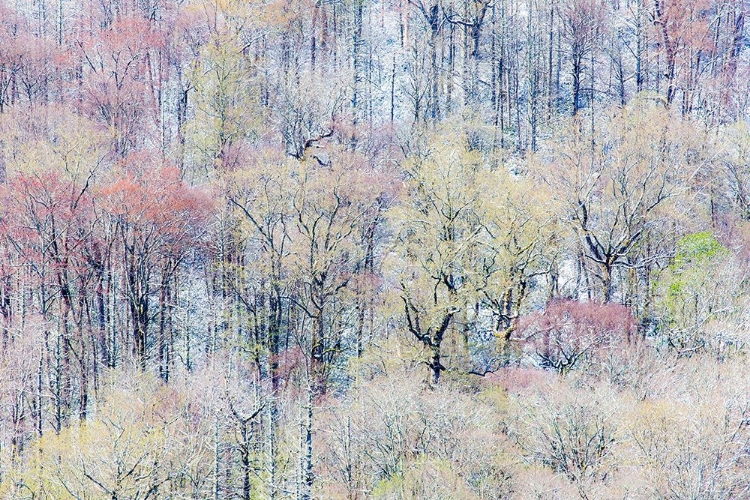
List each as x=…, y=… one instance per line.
x=699, y=296
x=697, y=248
x=694, y=256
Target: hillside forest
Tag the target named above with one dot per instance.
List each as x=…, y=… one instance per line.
x=374, y=249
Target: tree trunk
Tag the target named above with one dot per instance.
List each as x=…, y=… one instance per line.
x=435, y=364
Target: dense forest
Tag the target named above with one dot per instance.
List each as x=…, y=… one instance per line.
x=391, y=249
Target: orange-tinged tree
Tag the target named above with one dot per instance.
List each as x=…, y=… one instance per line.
x=158, y=225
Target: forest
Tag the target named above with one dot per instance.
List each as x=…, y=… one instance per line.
x=374, y=249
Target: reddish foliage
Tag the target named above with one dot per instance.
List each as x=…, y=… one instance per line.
x=290, y=361
x=156, y=209
x=48, y=218
x=568, y=332
x=119, y=78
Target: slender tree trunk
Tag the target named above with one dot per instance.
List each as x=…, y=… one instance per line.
x=272, y=416
x=245, y=459
x=309, y=477
x=357, y=43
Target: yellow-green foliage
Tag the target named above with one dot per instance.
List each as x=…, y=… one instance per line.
x=70, y=144
x=469, y=237
x=427, y=478
x=227, y=111
x=141, y=443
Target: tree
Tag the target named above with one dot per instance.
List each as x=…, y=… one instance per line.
x=465, y=256
x=615, y=187
x=701, y=460
x=158, y=225
x=700, y=298
x=48, y=221
x=134, y=448
x=574, y=435
x=115, y=91
x=332, y=206
x=568, y=334
x=683, y=32
x=582, y=22
x=225, y=84
x=389, y=438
